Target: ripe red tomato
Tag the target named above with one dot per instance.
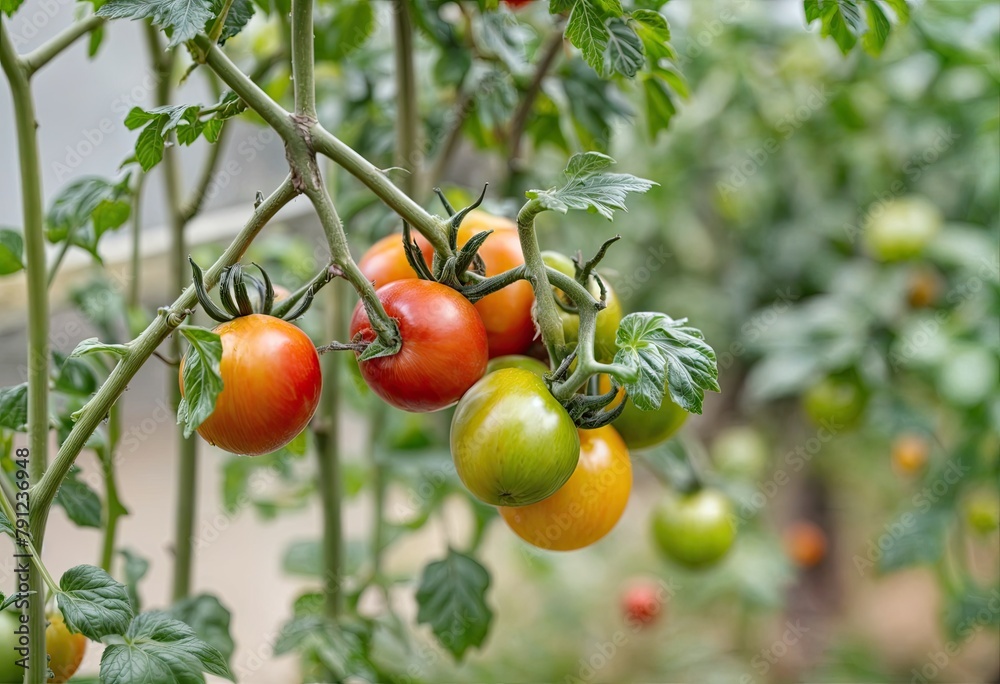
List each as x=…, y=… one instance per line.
x=805, y=543
x=507, y=313
x=517, y=4
x=385, y=261
x=588, y=506
x=444, y=348
x=642, y=603
x=513, y=444
x=271, y=385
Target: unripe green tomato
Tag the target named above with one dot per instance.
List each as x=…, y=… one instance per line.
x=10, y=671
x=527, y=363
x=607, y=319
x=512, y=442
x=695, y=530
x=982, y=511
x=901, y=228
x=642, y=429
x=835, y=402
x=740, y=452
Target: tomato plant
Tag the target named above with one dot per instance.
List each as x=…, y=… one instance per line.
x=588, y=505
x=444, y=348
x=513, y=444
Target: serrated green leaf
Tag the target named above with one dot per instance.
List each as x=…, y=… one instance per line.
x=660, y=108
x=501, y=35
x=587, y=31
x=599, y=192
x=917, y=537
x=11, y=251
x=337, y=649
x=14, y=407
x=625, y=53
x=586, y=164
x=240, y=13
x=158, y=648
x=92, y=345
x=93, y=603
x=877, y=34
x=81, y=503
x=73, y=376
x=451, y=599
x=185, y=18
x=135, y=569
x=346, y=31
x=209, y=619
x=202, y=379
x=86, y=209
x=666, y=353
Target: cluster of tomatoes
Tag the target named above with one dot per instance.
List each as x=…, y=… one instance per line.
x=65, y=650
x=514, y=445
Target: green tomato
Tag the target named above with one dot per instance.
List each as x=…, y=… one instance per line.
x=740, y=452
x=607, y=320
x=901, y=228
x=835, y=400
x=641, y=429
x=513, y=444
x=982, y=511
x=695, y=530
x=10, y=671
x=517, y=361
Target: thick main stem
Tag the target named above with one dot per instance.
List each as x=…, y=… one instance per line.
x=328, y=454
x=38, y=329
x=302, y=58
x=407, y=114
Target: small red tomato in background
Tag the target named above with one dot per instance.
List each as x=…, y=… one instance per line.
x=642, y=602
x=805, y=543
x=444, y=350
x=517, y=4
x=271, y=383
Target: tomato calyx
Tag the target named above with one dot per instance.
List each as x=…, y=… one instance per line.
x=234, y=293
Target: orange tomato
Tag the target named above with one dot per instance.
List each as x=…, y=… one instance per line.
x=588, y=506
x=65, y=649
x=385, y=261
x=805, y=543
x=507, y=313
x=909, y=453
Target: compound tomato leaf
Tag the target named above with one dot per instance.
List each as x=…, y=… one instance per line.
x=81, y=503
x=590, y=189
x=158, y=648
x=339, y=650
x=93, y=603
x=452, y=600
x=209, y=619
x=202, y=379
x=14, y=407
x=11, y=251
x=625, y=53
x=650, y=341
x=587, y=31
x=135, y=569
x=186, y=18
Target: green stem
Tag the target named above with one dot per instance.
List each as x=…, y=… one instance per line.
x=112, y=505
x=220, y=22
x=408, y=114
x=204, y=181
x=57, y=262
x=546, y=309
x=302, y=58
x=187, y=480
x=36, y=59
x=25, y=542
x=328, y=453
x=26, y=129
x=135, y=258
x=143, y=347
x=375, y=430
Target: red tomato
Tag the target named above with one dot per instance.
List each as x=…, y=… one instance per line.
x=271, y=383
x=385, y=261
x=507, y=313
x=517, y=4
x=642, y=602
x=444, y=348
x=805, y=543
